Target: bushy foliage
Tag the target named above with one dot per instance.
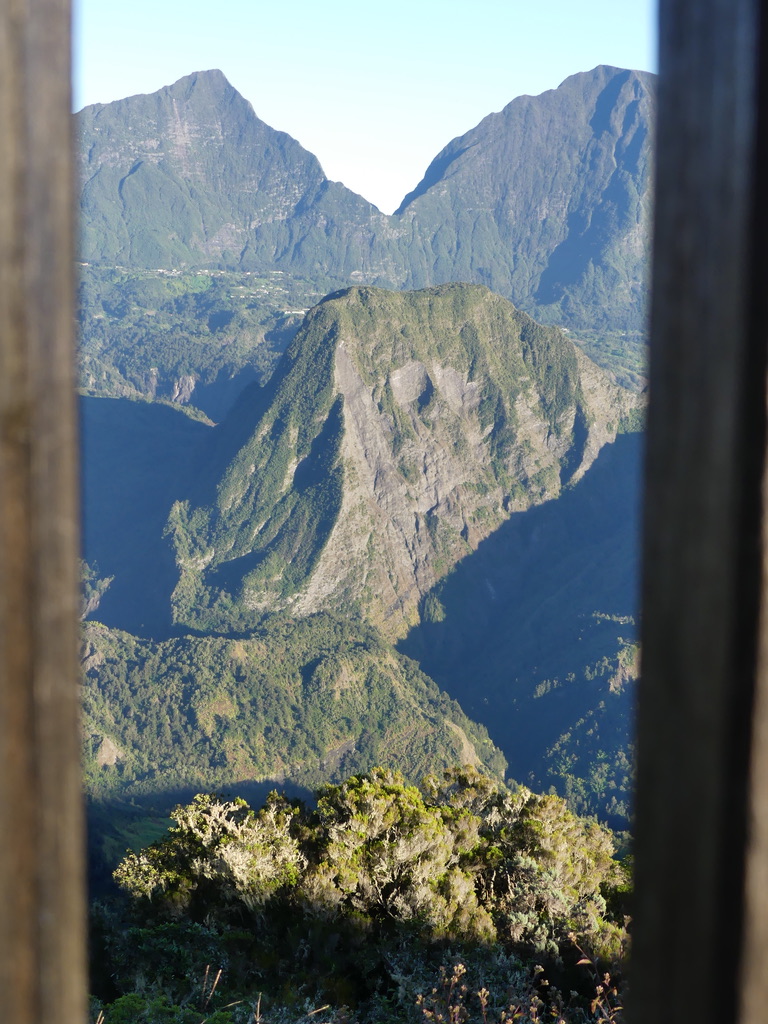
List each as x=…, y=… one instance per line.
x=221, y=849
x=386, y=853
x=367, y=899
x=544, y=869
x=462, y=858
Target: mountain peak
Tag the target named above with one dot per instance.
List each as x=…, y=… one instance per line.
x=213, y=82
x=603, y=73
x=400, y=430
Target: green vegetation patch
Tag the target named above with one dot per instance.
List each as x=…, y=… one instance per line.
x=302, y=701
x=383, y=902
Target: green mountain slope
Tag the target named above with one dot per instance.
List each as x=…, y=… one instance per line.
x=295, y=703
x=399, y=430
x=533, y=632
x=387, y=465
x=396, y=466
x=186, y=338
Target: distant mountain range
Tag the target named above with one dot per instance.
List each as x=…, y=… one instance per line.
x=546, y=203
x=277, y=474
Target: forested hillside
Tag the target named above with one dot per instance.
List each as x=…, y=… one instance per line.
x=399, y=430
x=400, y=433
x=294, y=703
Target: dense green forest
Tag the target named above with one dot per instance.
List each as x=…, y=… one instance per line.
x=456, y=901
x=299, y=700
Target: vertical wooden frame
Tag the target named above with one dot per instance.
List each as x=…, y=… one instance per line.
x=703, y=687
x=42, y=900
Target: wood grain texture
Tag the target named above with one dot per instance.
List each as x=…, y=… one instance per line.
x=703, y=507
x=42, y=905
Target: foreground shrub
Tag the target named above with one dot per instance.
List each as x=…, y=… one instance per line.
x=364, y=900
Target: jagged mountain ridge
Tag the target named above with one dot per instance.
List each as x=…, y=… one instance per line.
x=400, y=429
x=545, y=202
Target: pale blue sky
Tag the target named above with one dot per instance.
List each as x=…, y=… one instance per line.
x=373, y=89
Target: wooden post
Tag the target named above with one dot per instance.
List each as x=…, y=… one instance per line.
x=701, y=924
x=42, y=904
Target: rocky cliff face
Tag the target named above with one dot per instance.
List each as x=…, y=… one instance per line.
x=401, y=429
